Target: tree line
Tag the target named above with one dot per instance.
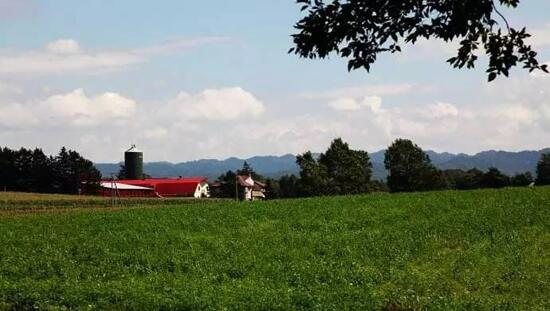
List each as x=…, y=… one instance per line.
x=341, y=170
x=28, y=170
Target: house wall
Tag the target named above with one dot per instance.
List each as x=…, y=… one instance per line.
x=202, y=191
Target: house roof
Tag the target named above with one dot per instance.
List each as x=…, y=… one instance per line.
x=242, y=180
x=160, y=181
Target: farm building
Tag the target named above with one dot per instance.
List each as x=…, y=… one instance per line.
x=249, y=189
x=157, y=187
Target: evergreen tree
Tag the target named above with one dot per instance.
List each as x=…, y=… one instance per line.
x=543, y=170
x=72, y=172
x=247, y=170
x=228, y=184
x=8, y=171
x=32, y=171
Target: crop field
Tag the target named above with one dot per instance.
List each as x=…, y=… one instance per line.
x=475, y=250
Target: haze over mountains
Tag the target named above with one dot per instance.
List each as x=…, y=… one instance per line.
x=276, y=166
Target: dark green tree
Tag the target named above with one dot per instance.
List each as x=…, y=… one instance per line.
x=472, y=180
x=494, y=178
x=288, y=186
x=313, y=176
x=349, y=171
x=121, y=172
x=410, y=169
x=73, y=172
x=522, y=179
x=41, y=172
x=247, y=170
x=543, y=170
x=463, y=180
x=8, y=170
x=272, y=189
x=32, y=171
x=227, y=183
x=360, y=30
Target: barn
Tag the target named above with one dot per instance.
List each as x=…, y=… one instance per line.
x=157, y=187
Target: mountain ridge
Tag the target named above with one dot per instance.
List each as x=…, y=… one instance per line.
x=275, y=166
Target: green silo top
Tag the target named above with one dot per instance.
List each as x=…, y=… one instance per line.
x=133, y=149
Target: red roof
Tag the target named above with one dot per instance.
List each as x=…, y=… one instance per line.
x=168, y=186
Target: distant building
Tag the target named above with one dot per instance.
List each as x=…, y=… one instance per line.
x=249, y=189
x=153, y=187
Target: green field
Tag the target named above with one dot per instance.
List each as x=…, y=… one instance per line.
x=472, y=250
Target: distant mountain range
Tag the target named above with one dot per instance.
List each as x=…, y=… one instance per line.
x=276, y=166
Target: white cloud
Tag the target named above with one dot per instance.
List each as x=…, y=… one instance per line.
x=73, y=108
x=220, y=104
x=540, y=37
x=509, y=114
x=442, y=110
x=63, y=46
x=361, y=91
x=80, y=109
x=344, y=104
x=66, y=56
x=156, y=133
x=374, y=103
x=9, y=89
x=16, y=116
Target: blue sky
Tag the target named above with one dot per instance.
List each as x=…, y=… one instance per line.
x=212, y=79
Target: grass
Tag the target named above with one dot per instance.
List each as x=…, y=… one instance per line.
x=470, y=250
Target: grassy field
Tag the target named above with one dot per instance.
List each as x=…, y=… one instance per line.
x=444, y=250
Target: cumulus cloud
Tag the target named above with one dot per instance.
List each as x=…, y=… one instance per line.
x=73, y=108
x=540, y=36
x=9, y=89
x=374, y=103
x=156, y=133
x=344, y=104
x=442, y=110
x=63, y=46
x=360, y=91
x=509, y=114
x=66, y=56
x=219, y=104
x=81, y=109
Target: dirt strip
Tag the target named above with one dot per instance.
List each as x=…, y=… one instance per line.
x=16, y=213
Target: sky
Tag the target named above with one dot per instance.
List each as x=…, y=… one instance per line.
x=187, y=80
